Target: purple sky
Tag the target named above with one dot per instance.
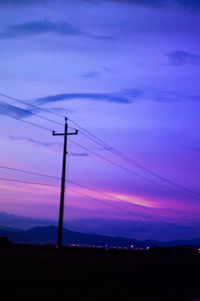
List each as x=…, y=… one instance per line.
x=127, y=71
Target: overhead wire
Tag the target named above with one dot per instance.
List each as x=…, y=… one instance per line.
x=121, y=155
x=27, y=122
x=33, y=106
x=28, y=172
x=71, y=182
x=153, y=210
x=94, y=138
x=110, y=161
x=28, y=182
x=75, y=191
x=134, y=173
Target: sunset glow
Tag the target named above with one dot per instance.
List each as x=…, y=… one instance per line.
x=127, y=77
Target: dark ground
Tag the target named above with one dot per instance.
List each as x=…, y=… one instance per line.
x=31, y=273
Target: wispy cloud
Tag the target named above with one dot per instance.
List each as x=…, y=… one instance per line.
x=10, y=3
x=63, y=110
x=128, y=96
x=79, y=154
x=196, y=98
x=92, y=74
x=44, y=27
x=38, y=28
x=178, y=58
x=155, y=3
x=34, y=141
x=194, y=4
x=167, y=96
x=12, y=111
x=188, y=3
x=124, y=97
x=195, y=149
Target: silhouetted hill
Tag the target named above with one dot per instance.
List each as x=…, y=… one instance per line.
x=128, y=229
x=10, y=229
x=14, y=221
x=48, y=235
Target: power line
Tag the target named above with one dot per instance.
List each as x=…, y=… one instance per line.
x=101, y=143
x=94, y=138
x=132, y=172
x=122, y=200
x=39, y=116
x=72, y=182
x=80, y=193
x=83, y=186
x=75, y=191
x=107, y=160
x=51, y=185
x=121, y=155
x=104, y=202
x=25, y=121
x=28, y=182
x=29, y=172
x=124, y=210
x=33, y=106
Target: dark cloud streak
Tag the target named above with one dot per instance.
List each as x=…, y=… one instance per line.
x=16, y=3
x=45, y=27
x=79, y=154
x=179, y=58
x=92, y=74
x=158, y=3
x=106, y=97
x=33, y=141
x=37, y=28
x=128, y=96
x=12, y=111
x=191, y=4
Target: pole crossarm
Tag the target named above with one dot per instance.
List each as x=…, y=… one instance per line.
x=58, y=134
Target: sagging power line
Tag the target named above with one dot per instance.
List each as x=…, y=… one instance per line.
x=113, y=150
x=130, y=213
x=28, y=182
x=107, y=195
x=184, y=191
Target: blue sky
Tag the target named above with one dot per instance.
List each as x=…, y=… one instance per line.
x=128, y=71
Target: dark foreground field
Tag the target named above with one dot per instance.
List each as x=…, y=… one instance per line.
x=31, y=273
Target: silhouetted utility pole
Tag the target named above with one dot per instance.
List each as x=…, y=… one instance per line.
x=62, y=194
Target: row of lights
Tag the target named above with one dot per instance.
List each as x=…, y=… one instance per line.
x=109, y=247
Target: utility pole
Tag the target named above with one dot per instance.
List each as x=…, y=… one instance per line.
x=62, y=193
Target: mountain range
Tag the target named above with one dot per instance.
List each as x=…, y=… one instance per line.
x=129, y=229
x=48, y=235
